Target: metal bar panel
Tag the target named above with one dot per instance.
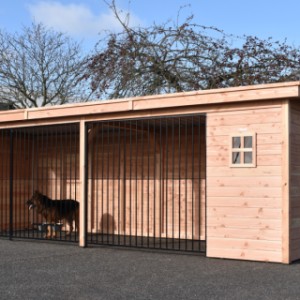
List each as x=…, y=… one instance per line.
x=147, y=180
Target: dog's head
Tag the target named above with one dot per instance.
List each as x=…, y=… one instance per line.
x=33, y=201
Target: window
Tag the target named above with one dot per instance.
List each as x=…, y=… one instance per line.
x=243, y=150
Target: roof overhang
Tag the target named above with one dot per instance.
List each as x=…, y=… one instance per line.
x=276, y=91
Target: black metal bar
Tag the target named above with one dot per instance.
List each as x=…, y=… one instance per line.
x=69, y=176
x=20, y=194
x=136, y=183
x=28, y=192
x=3, y=183
x=154, y=186
x=113, y=182
x=173, y=185
x=161, y=165
x=94, y=171
x=41, y=139
x=16, y=215
x=205, y=173
x=61, y=158
x=76, y=158
x=130, y=182
x=119, y=181
x=142, y=182
x=148, y=184
x=199, y=178
x=15, y=185
x=193, y=171
x=179, y=181
x=11, y=182
x=186, y=183
x=124, y=187
x=32, y=173
x=102, y=179
x=107, y=186
x=47, y=161
x=167, y=179
x=16, y=208
x=58, y=167
x=2, y=151
x=22, y=184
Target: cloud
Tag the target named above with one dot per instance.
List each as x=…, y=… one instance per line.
x=77, y=20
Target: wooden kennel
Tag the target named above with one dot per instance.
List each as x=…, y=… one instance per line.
x=214, y=171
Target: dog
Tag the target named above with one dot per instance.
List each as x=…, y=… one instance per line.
x=55, y=211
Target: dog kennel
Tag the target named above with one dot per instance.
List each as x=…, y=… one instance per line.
x=146, y=181
x=43, y=158
x=208, y=171
x=143, y=185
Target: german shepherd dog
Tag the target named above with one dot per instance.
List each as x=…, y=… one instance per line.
x=54, y=211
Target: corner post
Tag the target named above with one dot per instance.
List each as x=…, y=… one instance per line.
x=286, y=209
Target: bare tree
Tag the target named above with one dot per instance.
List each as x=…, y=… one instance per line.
x=40, y=67
x=174, y=57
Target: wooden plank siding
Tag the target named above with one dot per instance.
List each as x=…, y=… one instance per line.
x=22, y=181
x=5, y=186
x=295, y=180
x=244, y=213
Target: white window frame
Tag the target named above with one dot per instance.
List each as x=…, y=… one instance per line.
x=242, y=150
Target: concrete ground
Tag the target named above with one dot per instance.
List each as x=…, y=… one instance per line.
x=43, y=270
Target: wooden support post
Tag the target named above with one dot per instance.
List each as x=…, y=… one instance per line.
x=286, y=211
x=83, y=186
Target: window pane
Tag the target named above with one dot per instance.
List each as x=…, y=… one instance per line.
x=236, y=142
x=236, y=157
x=248, y=157
x=248, y=142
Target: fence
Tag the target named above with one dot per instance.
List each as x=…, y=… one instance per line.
x=146, y=182
x=43, y=159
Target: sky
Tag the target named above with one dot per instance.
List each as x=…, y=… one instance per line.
x=84, y=19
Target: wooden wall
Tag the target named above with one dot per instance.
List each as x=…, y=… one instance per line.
x=244, y=213
x=56, y=165
x=22, y=180
x=295, y=180
x=4, y=178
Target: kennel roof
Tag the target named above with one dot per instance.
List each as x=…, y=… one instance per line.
x=275, y=91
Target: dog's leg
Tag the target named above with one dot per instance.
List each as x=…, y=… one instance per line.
x=70, y=221
x=54, y=232
x=48, y=235
x=70, y=228
x=77, y=221
x=77, y=227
